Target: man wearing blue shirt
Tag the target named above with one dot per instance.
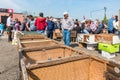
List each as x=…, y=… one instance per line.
x=110, y=25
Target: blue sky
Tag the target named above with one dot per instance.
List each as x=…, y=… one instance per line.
x=76, y=8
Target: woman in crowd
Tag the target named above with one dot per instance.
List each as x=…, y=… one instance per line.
x=17, y=24
x=31, y=26
x=87, y=29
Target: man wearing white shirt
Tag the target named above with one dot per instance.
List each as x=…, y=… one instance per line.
x=10, y=26
x=67, y=26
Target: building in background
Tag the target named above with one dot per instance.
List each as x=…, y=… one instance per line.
x=4, y=13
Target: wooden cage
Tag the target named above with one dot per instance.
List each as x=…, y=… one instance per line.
x=75, y=67
x=48, y=52
x=37, y=43
x=58, y=62
x=107, y=38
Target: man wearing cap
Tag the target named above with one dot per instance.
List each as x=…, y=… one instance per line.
x=67, y=26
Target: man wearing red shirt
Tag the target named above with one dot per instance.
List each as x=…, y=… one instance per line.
x=40, y=24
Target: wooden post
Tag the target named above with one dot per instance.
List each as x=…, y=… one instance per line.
x=119, y=20
x=23, y=66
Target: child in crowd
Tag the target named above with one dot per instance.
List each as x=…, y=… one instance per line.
x=2, y=26
x=17, y=24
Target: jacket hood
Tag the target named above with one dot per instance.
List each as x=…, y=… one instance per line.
x=42, y=19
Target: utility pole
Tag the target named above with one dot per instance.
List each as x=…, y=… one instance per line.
x=98, y=10
x=105, y=18
x=105, y=10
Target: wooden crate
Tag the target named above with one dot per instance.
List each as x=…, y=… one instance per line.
x=29, y=40
x=57, y=34
x=37, y=43
x=48, y=52
x=60, y=63
x=73, y=34
x=80, y=67
x=89, y=38
x=107, y=38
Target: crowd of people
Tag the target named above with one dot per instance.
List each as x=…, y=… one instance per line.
x=47, y=25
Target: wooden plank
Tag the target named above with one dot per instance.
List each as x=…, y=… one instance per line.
x=24, y=71
x=111, y=63
x=33, y=37
x=98, y=59
x=88, y=42
x=110, y=76
x=19, y=44
x=24, y=42
x=40, y=64
x=39, y=48
x=111, y=70
x=78, y=51
x=52, y=47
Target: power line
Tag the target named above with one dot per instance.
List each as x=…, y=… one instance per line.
x=98, y=10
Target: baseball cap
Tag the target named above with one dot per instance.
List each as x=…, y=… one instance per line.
x=65, y=13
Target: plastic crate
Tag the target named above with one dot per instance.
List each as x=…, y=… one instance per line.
x=111, y=48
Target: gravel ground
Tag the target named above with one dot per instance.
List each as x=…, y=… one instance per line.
x=9, y=61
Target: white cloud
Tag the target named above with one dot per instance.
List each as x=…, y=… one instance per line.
x=9, y=4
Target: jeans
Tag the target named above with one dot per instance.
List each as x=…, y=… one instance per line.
x=10, y=33
x=50, y=34
x=110, y=31
x=85, y=31
x=1, y=32
x=40, y=31
x=66, y=37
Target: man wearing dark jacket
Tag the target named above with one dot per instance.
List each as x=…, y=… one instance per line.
x=40, y=24
x=50, y=27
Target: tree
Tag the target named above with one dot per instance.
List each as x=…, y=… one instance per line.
x=105, y=17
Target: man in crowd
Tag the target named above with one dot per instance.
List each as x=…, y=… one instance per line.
x=110, y=24
x=50, y=27
x=10, y=26
x=67, y=26
x=24, y=23
x=40, y=24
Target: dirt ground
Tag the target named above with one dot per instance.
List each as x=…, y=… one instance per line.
x=9, y=61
